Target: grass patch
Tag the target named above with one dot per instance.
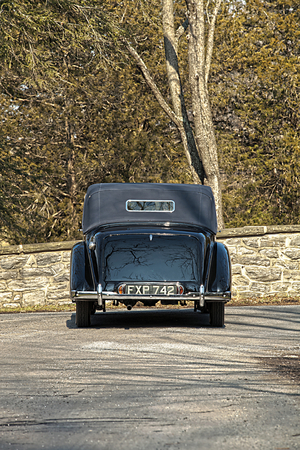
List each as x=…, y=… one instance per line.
x=265, y=301
x=65, y=307
x=39, y=308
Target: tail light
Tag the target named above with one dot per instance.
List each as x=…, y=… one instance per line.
x=180, y=289
x=121, y=289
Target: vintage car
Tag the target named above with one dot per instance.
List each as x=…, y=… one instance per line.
x=149, y=243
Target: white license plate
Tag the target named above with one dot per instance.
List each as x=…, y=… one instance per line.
x=151, y=289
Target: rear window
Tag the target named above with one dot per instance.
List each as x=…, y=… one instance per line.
x=150, y=257
x=150, y=205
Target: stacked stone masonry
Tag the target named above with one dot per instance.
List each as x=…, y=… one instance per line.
x=265, y=262
x=35, y=274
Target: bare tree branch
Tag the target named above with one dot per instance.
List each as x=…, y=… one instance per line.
x=151, y=83
x=210, y=40
x=181, y=30
x=181, y=122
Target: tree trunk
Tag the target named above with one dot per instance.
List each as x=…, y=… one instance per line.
x=201, y=148
x=199, y=64
x=185, y=130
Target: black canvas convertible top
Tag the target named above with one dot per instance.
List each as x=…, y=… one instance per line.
x=111, y=203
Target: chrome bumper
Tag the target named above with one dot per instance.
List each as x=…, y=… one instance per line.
x=102, y=296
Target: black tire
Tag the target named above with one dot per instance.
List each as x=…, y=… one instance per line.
x=83, y=314
x=217, y=313
x=93, y=308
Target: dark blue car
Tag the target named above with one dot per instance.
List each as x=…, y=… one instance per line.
x=146, y=242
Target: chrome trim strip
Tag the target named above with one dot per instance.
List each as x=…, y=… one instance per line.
x=218, y=296
x=84, y=295
x=150, y=210
x=99, y=295
x=202, y=295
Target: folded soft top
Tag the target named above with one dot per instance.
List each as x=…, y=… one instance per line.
x=128, y=203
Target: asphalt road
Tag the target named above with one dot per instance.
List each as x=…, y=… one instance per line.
x=151, y=379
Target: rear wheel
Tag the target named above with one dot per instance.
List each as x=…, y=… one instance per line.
x=216, y=310
x=83, y=314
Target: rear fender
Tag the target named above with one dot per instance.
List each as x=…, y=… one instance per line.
x=80, y=276
x=220, y=269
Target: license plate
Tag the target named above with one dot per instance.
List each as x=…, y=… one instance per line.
x=151, y=289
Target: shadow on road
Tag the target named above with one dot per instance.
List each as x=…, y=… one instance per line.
x=146, y=319
x=244, y=317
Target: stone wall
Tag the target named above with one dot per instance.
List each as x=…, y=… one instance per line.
x=265, y=261
x=36, y=274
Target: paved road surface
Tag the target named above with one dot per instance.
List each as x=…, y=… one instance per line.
x=151, y=380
